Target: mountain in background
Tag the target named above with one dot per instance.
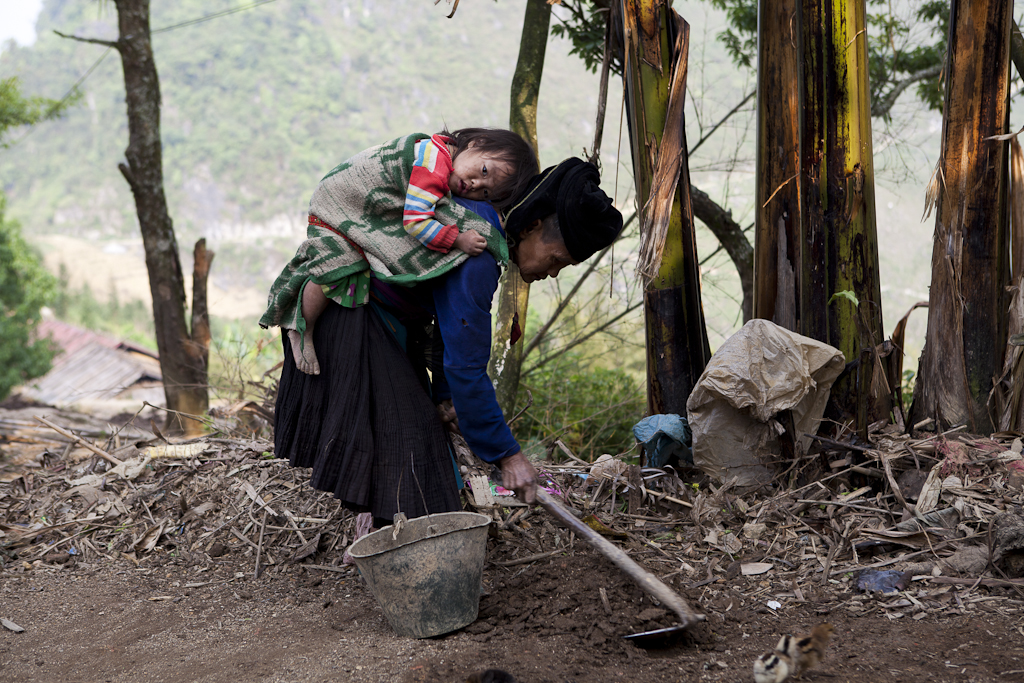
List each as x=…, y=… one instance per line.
x=258, y=105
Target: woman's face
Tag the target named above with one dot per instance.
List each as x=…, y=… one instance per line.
x=538, y=259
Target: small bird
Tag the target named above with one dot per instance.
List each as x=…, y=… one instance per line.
x=491, y=676
x=793, y=655
x=772, y=667
x=807, y=651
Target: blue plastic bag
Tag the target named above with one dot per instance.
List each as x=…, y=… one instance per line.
x=664, y=436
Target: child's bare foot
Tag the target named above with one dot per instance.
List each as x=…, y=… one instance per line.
x=302, y=350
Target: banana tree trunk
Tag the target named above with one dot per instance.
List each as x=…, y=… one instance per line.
x=656, y=40
x=967, y=306
x=777, y=218
x=839, y=290
x=506, y=358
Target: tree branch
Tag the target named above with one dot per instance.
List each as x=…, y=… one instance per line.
x=542, y=332
x=96, y=41
x=602, y=97
x=1017, y=48
x=723, y=120
x=127, y=173
x=580, y=340
x=882, y=106
x=730, y=235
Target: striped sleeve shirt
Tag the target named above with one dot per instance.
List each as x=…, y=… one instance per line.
x=427, y=184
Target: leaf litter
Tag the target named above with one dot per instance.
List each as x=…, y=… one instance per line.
x=943, y=510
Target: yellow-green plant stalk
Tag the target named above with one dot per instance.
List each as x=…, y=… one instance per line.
x=655, y=63
x=838, y=239
x=513, y=297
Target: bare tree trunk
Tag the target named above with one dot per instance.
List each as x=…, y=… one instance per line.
x=198, y=346
x=777, y=228
x=507, y=359
x=654, y=67
x=967, y=305
x=182, y=362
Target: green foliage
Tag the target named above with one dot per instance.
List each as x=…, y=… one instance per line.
x=585, y=27
x=24, y=289
x=893, y=54
x=592, y=410
x=907, y=388
x=243, y=360
x=845, y=294
x=17, y=110
x=898, y=47
x=740, y=39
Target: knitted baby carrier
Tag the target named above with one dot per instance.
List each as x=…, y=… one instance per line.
x=356, y=227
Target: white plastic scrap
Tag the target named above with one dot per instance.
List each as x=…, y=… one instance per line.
x=11, y=626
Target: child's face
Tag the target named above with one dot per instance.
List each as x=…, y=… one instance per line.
x=475, y=173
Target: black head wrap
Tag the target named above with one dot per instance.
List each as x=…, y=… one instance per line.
x=586, y=217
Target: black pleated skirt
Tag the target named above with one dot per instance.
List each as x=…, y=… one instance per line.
x=365, y=425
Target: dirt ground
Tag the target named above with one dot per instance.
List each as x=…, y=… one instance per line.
x=177, y=601
x=543, y=622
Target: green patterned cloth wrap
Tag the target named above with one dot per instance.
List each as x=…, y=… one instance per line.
x=364, y=198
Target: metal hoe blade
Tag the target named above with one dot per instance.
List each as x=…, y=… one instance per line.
x=654, y=638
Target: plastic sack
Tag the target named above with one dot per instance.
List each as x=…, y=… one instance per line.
x=759, y=371
x=662, y=437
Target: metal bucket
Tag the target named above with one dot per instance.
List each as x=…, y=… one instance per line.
x=427, y=580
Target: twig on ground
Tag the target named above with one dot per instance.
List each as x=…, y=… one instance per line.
x=74, y=437
x=259, y=548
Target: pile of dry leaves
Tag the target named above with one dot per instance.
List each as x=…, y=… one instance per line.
x=943, y=510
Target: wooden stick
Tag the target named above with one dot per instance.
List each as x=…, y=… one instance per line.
x=517, y=516
x=839, y=444
x=74, y=437
x=26, y=536
x=665, y=496
x=291, y=521
x=324, y=567
x=240, y=536
x=901, y=558
x=998, y=583
x=647, y=581
x=528, y=558
x=259, y=548
x=846, y=505
x=529, y=402
x=572, y=456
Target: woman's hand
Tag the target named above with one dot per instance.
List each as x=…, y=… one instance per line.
x=449, y=418
x=518, y=475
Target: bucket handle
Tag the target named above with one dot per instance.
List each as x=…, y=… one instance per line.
x=400, y=517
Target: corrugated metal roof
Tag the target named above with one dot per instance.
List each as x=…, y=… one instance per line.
x=93, y=371
x=70, y=338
